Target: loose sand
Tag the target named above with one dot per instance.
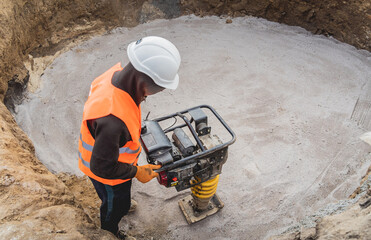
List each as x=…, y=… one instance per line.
x=290, y=96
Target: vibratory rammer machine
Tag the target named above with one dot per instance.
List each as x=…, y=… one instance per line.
x=187, y=163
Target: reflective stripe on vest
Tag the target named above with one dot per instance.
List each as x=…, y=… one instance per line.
x=86, y=164
x=105, y=99
x=121, y=150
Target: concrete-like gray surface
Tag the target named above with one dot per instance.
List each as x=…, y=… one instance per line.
x=289, y=95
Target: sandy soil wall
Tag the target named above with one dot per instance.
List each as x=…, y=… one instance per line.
x=36, y=204
x=347, y=21
x=42, y=27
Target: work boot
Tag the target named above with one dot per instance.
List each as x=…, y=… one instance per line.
x=122, y=235
x=133, y=205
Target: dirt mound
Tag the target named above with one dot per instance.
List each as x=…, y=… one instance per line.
x=85, y=194
x=34, y=203
x=340, y=220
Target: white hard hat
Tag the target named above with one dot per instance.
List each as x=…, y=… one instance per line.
x=158, y=58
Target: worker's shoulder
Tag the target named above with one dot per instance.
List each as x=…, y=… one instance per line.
x=111, y=122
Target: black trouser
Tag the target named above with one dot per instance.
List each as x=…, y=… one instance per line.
x=116, y=202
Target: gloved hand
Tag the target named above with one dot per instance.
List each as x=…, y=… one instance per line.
x=145, y=173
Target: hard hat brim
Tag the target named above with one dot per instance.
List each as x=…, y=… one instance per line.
x=172, y=84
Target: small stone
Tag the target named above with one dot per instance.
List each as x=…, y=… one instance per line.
x=7, y=180
x=228, y=21
x=308, y=233
x=365, y=203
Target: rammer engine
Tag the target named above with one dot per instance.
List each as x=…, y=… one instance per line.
x=189, y=164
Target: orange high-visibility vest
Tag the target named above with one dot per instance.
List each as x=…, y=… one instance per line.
x=105, y=99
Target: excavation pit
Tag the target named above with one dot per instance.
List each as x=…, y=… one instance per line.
x=297, y=102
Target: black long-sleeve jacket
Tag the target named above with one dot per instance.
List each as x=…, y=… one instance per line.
x=110, y=133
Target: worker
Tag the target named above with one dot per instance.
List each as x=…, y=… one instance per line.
x=109, y=144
